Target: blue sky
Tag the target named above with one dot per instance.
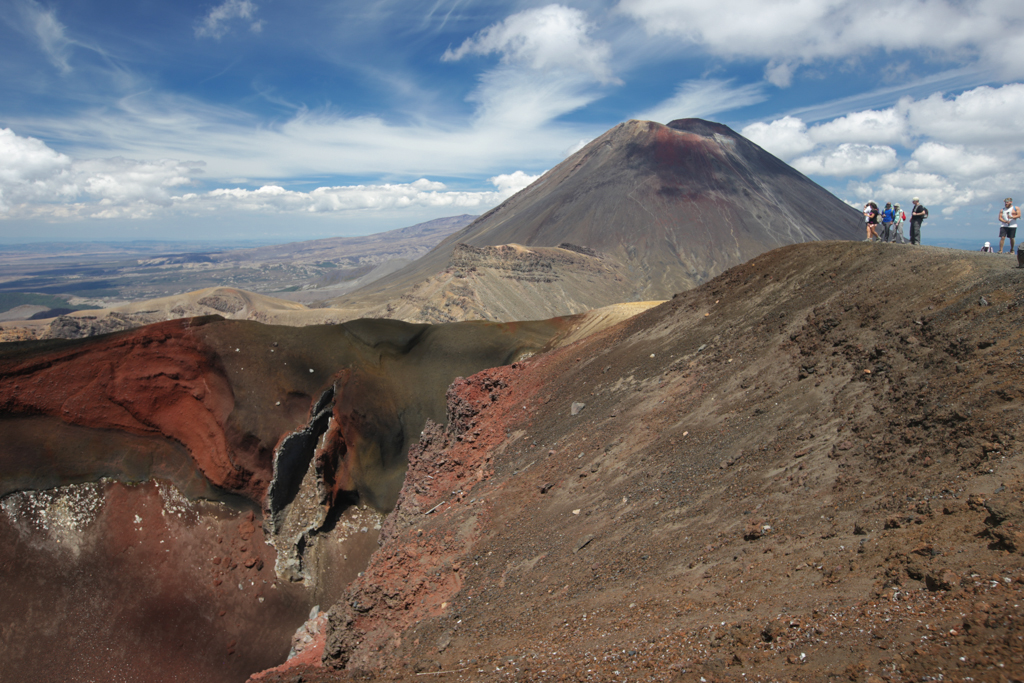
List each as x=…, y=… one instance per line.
x=265, y=119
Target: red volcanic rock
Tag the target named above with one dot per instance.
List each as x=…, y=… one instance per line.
x=107, y=582
x=158, y=380
x=307, y=650
x=215, y=399
x=417, y=571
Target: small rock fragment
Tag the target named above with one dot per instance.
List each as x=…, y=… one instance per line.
x=583, y=543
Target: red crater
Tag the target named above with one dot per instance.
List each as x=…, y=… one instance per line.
x=160, y=380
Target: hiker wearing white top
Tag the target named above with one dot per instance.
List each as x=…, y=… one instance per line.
x=897, y=225
x=1008, y=216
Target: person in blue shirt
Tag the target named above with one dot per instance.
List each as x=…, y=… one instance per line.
x=887, y=220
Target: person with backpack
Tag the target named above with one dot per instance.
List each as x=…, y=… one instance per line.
x=871, y=214
x=917, y=217
x=897, y=224
x=887, y=219
x=1008, y=223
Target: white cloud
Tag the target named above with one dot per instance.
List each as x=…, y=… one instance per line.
x=25, y=160
x=36, y=181
x=965, y=149
x=983, y=115
x=785, y=138
x=516, y=101
x=29, y=170
x=703, y=98
x=870, y=127
x=542, y=39
x=934, y=190
x=311, y=143
x=216, y=22
x=956, y=160
x=780, y=75
x=848, y=159
x=793, y=32
x=550, y=65
x=510, y=183
x=421, y=193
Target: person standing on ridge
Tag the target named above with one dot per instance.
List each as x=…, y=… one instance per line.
x=887, y=219
x=1008, y=216
x=917, y=217
x=871, y=220
x=897, y=224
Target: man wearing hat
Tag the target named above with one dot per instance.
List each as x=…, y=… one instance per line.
x=1008, y=216
x=917, y=217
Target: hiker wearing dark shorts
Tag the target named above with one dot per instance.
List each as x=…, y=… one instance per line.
x=917, y=217
x=1008, y=216
x=871, y=214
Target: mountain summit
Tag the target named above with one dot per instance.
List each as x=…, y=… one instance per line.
x=671, y=206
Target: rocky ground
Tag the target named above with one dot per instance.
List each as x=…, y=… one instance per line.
x=511, y=282
x=807, y=469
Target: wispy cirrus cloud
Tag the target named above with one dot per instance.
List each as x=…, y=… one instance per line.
x=550, y=64
x=46, y=31
x=310, y=143
x=217, y=22
x=704, y=98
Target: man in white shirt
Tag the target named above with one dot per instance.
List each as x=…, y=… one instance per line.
x=1008, y=217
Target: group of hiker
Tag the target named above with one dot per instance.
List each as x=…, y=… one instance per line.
x=886, y=225
x=890, y=220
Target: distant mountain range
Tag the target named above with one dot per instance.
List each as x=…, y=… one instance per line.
x=105, y=273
